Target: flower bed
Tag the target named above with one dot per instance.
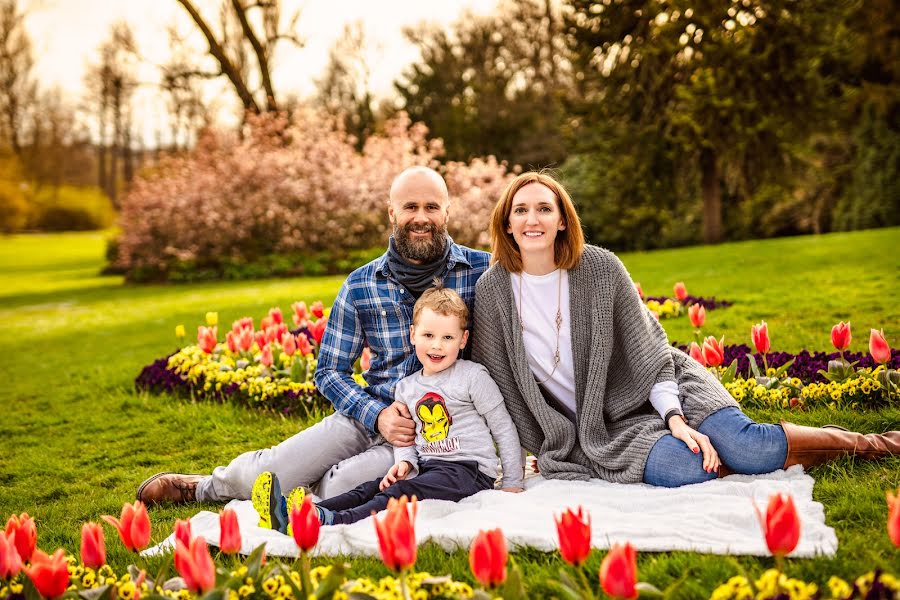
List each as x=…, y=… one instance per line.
x=29, y=573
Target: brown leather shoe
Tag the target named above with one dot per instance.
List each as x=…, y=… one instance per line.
x=169, y=487
x=810, y=446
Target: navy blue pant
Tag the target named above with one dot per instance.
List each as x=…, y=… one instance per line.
x=437, y=480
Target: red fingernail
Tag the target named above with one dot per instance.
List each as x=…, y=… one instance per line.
x=696, y=450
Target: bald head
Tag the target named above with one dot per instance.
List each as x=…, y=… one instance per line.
x=419, y=183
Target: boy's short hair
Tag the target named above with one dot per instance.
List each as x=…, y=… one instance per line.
x=443, y=301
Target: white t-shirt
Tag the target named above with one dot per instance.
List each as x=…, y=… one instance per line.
x=538, y=312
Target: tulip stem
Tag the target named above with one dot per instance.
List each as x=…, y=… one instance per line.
x=588, y=594
x=304, y=574
x=404, y=586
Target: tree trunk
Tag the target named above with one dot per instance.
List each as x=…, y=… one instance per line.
x=712, y=197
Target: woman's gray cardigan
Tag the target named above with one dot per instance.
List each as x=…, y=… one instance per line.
x=620, y=352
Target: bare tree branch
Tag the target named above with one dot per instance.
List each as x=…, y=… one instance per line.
x=260, y=52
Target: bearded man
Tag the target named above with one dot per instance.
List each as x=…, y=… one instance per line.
x=374, y=306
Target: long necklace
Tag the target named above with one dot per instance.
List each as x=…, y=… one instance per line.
x=558, y=319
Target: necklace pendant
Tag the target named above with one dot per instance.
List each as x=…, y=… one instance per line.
x=558, y=320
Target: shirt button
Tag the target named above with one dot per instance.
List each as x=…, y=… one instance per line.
x=384, y=313
x=401, y=291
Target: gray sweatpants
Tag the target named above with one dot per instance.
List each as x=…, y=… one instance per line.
x=332, y=457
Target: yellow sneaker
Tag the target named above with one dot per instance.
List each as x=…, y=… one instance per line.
x=266, y=496
x=294, y=499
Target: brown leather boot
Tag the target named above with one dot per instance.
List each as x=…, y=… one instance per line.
x=810, y=446
x=169, y=487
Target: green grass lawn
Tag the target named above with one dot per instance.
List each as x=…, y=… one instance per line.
x=76, y=439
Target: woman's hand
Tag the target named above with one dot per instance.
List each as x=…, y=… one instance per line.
x=696, y=441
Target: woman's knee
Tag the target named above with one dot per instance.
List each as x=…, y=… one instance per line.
x=672, y=464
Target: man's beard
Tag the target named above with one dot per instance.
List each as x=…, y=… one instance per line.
x=423, y=250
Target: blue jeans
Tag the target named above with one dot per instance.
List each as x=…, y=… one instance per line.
x=744, y=446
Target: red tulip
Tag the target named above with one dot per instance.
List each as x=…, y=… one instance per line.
x=289, y=344
x=365, y=361
x=760, y=335
x=229, y=532
x=265, y=323
x=183, y=531
x=206, y=338
x=697, y=354
x=303, y=344
x=488, y=556
x=195, y=565
x=10, y=563
x=713, y=351
x=840, y=336
x=133, y=527
x=639, y=289
x=397, y=534
x=574, y=530
x=242, y=324
x=305, y=524
x=680, y=291
x=50, y=574
x=317, y=330
x=893, y=523
x=697, y=315
x=93, y=545
x=276, y=316
x=781, y=525
x=878, y=347
x=317, y=309
x=245, y=339
x=265, y=357
x=300, y=314
x=23, y=532
x=618, y=572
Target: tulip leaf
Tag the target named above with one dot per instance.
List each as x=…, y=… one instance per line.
x=730, y=372
x=215, y=594
x=648, y=590
x=97, y=593
x=513, y=589
x=29, y=591
x=568, y=588
x=332, y=583
x=254, y=561
x=298, y=372
x=753, y=367
x=783, y=368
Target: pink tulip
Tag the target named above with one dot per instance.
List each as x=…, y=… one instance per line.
x=878, y=347
x=229, y=532
x=317, y=330
x=260, y=338
x=759, y=333
x=22, y=531
x=206, y=338
x=183, y=531
x=317, y=309
x=133, y=526
x=639, y=289
x=840, y=336
x=242, y=324
x=300, y=313
x=303, y=344
x=265, y=357
x=245, y=340
x=893, y=524
x=365, y=360
x=713, y=351
x=195, y=565
x=265, y=323
x=680, y=291
x=231, y=341
x=697, y=315
x=93, y=545
x=697, y=354
x=10, y=563
x=276, y=316
x=289, y=344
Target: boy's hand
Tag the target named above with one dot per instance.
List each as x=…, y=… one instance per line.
x=513, y=490
x=397, y=473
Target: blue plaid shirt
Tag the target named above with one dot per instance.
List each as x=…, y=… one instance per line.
x=372, y=306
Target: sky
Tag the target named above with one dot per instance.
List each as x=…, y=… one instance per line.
x=67, y=33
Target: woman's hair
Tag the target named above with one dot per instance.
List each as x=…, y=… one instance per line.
x=569, y=242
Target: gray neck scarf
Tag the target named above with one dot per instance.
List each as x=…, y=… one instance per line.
x=416, y=278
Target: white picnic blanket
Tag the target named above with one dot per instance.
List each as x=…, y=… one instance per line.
x=715, y=517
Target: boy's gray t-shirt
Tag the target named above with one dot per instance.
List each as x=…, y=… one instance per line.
x=459, y=413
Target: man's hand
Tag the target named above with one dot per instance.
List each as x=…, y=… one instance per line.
x=513, y=490
x=397, y=473
x=396, y=425
x=696, y=441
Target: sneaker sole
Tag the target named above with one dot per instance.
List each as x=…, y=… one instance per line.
x=295, y=498
x=264, y=499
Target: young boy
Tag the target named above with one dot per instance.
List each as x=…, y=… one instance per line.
x=457, y=409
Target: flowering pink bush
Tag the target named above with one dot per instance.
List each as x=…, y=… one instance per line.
x=295, y=190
